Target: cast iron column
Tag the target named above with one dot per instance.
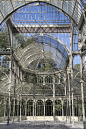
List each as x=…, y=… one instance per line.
x=9, y=94
x=68, y=72
x=53, y=98
x=82, y=91
x=26, y=110
x=20, y=94
x=62, y=108
x=34, y=106
x=4, y=107
x=14, y=91
x=44, y=109
x=18, y=83
x=71, y=68
x=10, y=65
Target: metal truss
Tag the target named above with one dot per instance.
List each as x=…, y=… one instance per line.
x=40, y=29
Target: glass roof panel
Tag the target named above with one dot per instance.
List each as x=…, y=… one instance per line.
x=61, y=48
x=68, y=7
x=65, y=53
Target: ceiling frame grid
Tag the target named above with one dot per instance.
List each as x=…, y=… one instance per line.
x=12, y=5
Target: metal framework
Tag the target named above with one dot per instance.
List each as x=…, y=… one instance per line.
x=39, y=41
x=71, y=8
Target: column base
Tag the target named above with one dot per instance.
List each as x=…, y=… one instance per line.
x=8, y=120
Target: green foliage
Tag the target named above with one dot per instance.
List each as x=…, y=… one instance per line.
x=23, y=40
x=61, y=78
x=4, y=40
x=26, y=43
x=77, y=66
x=19, y=37
x=25, y=78
x=47, y=68
x=31, y=79
x=58, y=106
x=47, y=65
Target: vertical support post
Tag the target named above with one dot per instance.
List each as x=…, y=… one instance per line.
x=59, y=77
x=20, y=94
x=44, y=80
x=34, y=97
x=33, y=108
x=10, y=65
x=10, y=107
x=82, y=91
x=65, y=83
x=44, y=109
x=67, y=109
x=71, y=69
x=62, y=109
x=14, y=102
x=67, y=98
x=78, y=108
x=65, y=89
x=14, y=91
x=25, y=110
x=44, y=94
x=72, y=98
x=9, y=94
x=4, y=108
x=65, y=76
x=53, y=98
x=69, y=95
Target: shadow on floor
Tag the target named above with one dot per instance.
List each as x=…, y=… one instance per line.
x=37, y=125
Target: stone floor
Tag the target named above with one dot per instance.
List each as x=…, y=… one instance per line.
x=40, y=125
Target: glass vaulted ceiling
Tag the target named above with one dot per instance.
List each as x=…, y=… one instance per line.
x=71, y=7
x=36, y=14
x=43, y=51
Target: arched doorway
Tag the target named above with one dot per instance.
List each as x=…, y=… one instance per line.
x=48, y=108
x=39, y=108
x=30, y=108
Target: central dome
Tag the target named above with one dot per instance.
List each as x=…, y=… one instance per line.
x=42, y=53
